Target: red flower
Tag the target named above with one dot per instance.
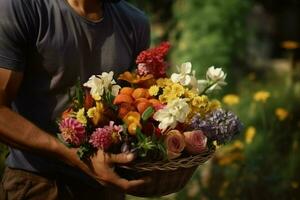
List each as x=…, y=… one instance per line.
x=152, y=61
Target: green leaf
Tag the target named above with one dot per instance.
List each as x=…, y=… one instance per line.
x=148, y=113
x=85, y=151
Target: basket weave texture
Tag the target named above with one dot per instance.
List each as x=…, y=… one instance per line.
x=166, y=176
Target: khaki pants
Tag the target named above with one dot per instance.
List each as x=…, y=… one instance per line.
x=23, y=185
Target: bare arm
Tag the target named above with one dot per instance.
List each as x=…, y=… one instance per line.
x=18, y=132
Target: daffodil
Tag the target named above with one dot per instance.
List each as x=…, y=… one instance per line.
x=183, y=77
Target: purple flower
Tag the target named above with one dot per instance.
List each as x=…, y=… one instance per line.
x=219, y=125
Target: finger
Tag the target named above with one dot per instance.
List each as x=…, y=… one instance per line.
x=125, y=184
x=121, y=158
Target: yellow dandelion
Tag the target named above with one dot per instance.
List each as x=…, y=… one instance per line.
x=261, y=96
x=81, y=117
x=249, y=135
x=281, y=114
x=153, y=90
x=231, y=99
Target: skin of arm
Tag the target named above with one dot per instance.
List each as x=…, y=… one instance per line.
x=18, y=132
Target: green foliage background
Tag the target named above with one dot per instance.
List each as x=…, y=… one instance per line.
x=215, y=32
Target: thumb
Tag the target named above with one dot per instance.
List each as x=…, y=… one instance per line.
x=122, y=158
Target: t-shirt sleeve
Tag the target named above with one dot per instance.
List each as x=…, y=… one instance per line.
x=16, y=33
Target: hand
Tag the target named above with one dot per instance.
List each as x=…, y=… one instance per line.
x=101, y=167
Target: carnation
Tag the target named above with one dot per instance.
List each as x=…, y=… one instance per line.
x=72, y=131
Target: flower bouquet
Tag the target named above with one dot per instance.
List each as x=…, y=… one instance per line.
x=169, y=122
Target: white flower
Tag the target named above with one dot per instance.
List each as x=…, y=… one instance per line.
x=198, y=85
x=115, y=90
x=175, y=111
x=96, y=85
x=215, y=75
x=100, y=84
x=107, y=79
x=183, y=77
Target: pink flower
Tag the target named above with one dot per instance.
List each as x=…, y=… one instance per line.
x=175, y=144
x=72, y=131
x=195, y=142
x=115, y=131
x=101, y=138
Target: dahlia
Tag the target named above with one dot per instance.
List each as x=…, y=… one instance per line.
x=101, y=138
x=72, y=131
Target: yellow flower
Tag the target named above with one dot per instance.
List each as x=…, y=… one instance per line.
x=200, y=101
x=214, y=104
x=250, y=133
x=189, y=94
x=238, y=145
x=153, y=90
x=81, y=117
x=231, y=99
x=91, y=112
x=96, y=113
x=177, y=89
x=281, y=114
x=163, y=82
x=261, y=96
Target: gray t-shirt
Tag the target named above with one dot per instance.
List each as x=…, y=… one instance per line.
x=53, y=46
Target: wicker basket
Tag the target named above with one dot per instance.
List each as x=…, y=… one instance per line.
x=166, y=176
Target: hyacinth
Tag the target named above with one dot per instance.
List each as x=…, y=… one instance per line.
x=101, y=138
x=72, y=131
x=152, y=61
x=219, y=125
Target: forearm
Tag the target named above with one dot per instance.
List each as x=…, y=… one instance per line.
x=18, y=132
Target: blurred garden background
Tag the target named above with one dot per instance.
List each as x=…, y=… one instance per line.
x=257, y=42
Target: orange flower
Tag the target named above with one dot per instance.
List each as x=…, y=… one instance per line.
x=134, y=78
x=132, y=117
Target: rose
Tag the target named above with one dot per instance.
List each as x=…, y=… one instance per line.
x=175, y=144
x=195, y=141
